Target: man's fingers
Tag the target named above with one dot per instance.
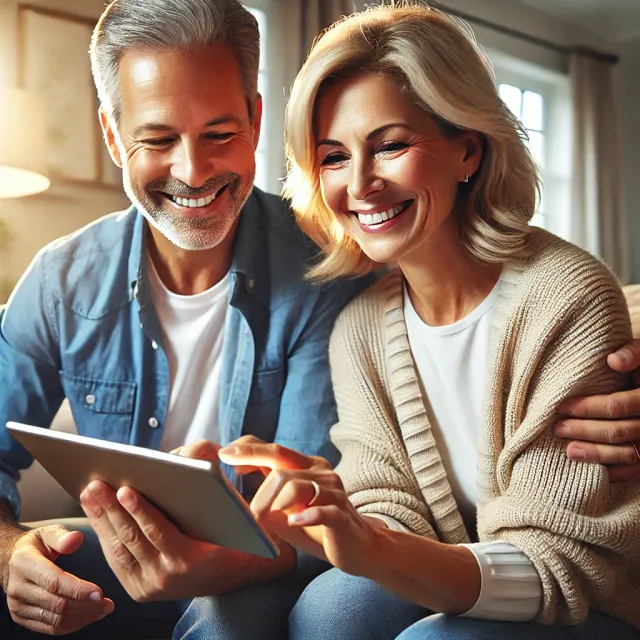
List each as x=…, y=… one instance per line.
x=602, y=431
x=155, y=527
x=623, y=404
x=627, y=358
x=38, y=570
x=58, y=540
x=120, y=537
x=623, y=473
x=602, y=453
x=34, y=595
x=273, y=456
x=47, y=622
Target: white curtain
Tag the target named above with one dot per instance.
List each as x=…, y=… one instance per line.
x=598, y=222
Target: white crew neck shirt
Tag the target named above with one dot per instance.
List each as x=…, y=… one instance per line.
x=453, y=364
x=192, y=336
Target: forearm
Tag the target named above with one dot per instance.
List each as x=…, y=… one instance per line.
x=440, y=577
x=236, y=569
x=10, y=531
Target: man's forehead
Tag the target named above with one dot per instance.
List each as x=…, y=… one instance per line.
x=166, y=80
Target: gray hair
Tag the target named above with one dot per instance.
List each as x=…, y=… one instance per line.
x=185, y=25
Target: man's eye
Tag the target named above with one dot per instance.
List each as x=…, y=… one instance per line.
x=158, y=142
x=333, y=158
x=390, y=147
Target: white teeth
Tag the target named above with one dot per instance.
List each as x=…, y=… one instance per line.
x=192, y=203
x=382, y=216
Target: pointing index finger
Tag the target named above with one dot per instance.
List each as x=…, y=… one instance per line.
x=272, y=456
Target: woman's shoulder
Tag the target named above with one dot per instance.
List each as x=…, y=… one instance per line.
x=551, y=266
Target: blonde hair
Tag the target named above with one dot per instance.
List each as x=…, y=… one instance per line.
x=437, y=61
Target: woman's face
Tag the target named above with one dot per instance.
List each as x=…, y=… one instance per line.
x=386, y=170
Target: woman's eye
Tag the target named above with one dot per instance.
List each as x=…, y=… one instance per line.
x=334, y=158
x=390, y=147
x=220, y=137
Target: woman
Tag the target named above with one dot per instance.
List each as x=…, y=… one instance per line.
x=452, y=491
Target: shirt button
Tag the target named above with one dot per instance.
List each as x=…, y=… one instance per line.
x=90, y=399
x=154, y=344
x=153, y=423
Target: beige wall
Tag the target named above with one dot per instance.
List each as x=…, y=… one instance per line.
x=67, y=206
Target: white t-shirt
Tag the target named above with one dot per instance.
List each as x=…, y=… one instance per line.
x=192, y=336
x=453, y=364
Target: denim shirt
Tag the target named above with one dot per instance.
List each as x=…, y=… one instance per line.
x=81, y=325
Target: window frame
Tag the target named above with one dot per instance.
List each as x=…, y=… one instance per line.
x=555, y=89
x=271, y=143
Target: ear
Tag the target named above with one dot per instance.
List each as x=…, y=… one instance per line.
x=473, y=150
x=257, y=122
x=108, y=130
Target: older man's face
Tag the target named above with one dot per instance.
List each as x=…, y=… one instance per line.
x=187, y=143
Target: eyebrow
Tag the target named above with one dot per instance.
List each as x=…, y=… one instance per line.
x=158, y=126
x=370, y=136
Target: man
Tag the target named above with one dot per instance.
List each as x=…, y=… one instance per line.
x=185, y=318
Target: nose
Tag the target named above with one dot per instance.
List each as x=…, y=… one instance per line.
x=191, y=164
x=363, y=180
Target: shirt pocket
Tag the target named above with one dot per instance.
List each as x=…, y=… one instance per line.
x=267, y=386
x=101, y=408
x=263, y=408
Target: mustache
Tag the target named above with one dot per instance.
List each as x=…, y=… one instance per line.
x=178, y=188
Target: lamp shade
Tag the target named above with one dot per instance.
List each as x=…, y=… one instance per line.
x=23, y=144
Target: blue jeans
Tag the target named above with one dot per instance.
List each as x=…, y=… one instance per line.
x=259, y=612
x=129, y=621
x=333, y=606
x=440, y=627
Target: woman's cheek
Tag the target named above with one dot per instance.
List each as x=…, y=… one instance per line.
x=333, y=193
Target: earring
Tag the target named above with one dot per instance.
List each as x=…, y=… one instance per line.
x=466, y=177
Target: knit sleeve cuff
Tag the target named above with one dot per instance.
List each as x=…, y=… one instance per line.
x=511, y=589
x=391, y=523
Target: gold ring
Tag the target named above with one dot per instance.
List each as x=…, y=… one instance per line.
x=316, y=492
x=41, y=615
x=635, y=446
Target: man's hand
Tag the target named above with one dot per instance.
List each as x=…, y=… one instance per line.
x=602, y=428
x=155, y=561
x=42, y=597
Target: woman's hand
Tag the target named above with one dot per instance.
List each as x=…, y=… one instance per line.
x=303, y=500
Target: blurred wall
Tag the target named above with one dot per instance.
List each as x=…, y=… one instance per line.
x=37, y=220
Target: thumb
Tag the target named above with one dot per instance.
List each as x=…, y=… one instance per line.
x=58, y=540
x=627, y=358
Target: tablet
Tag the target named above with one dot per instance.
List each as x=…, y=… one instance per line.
x=194, y=494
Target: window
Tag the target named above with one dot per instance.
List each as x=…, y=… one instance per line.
x=262, y=177
x=541, y=99
x=274, y=76
x=528, y=107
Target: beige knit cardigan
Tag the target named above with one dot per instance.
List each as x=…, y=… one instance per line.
x=558, y=313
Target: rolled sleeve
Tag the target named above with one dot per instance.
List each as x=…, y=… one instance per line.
x=511, y=588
